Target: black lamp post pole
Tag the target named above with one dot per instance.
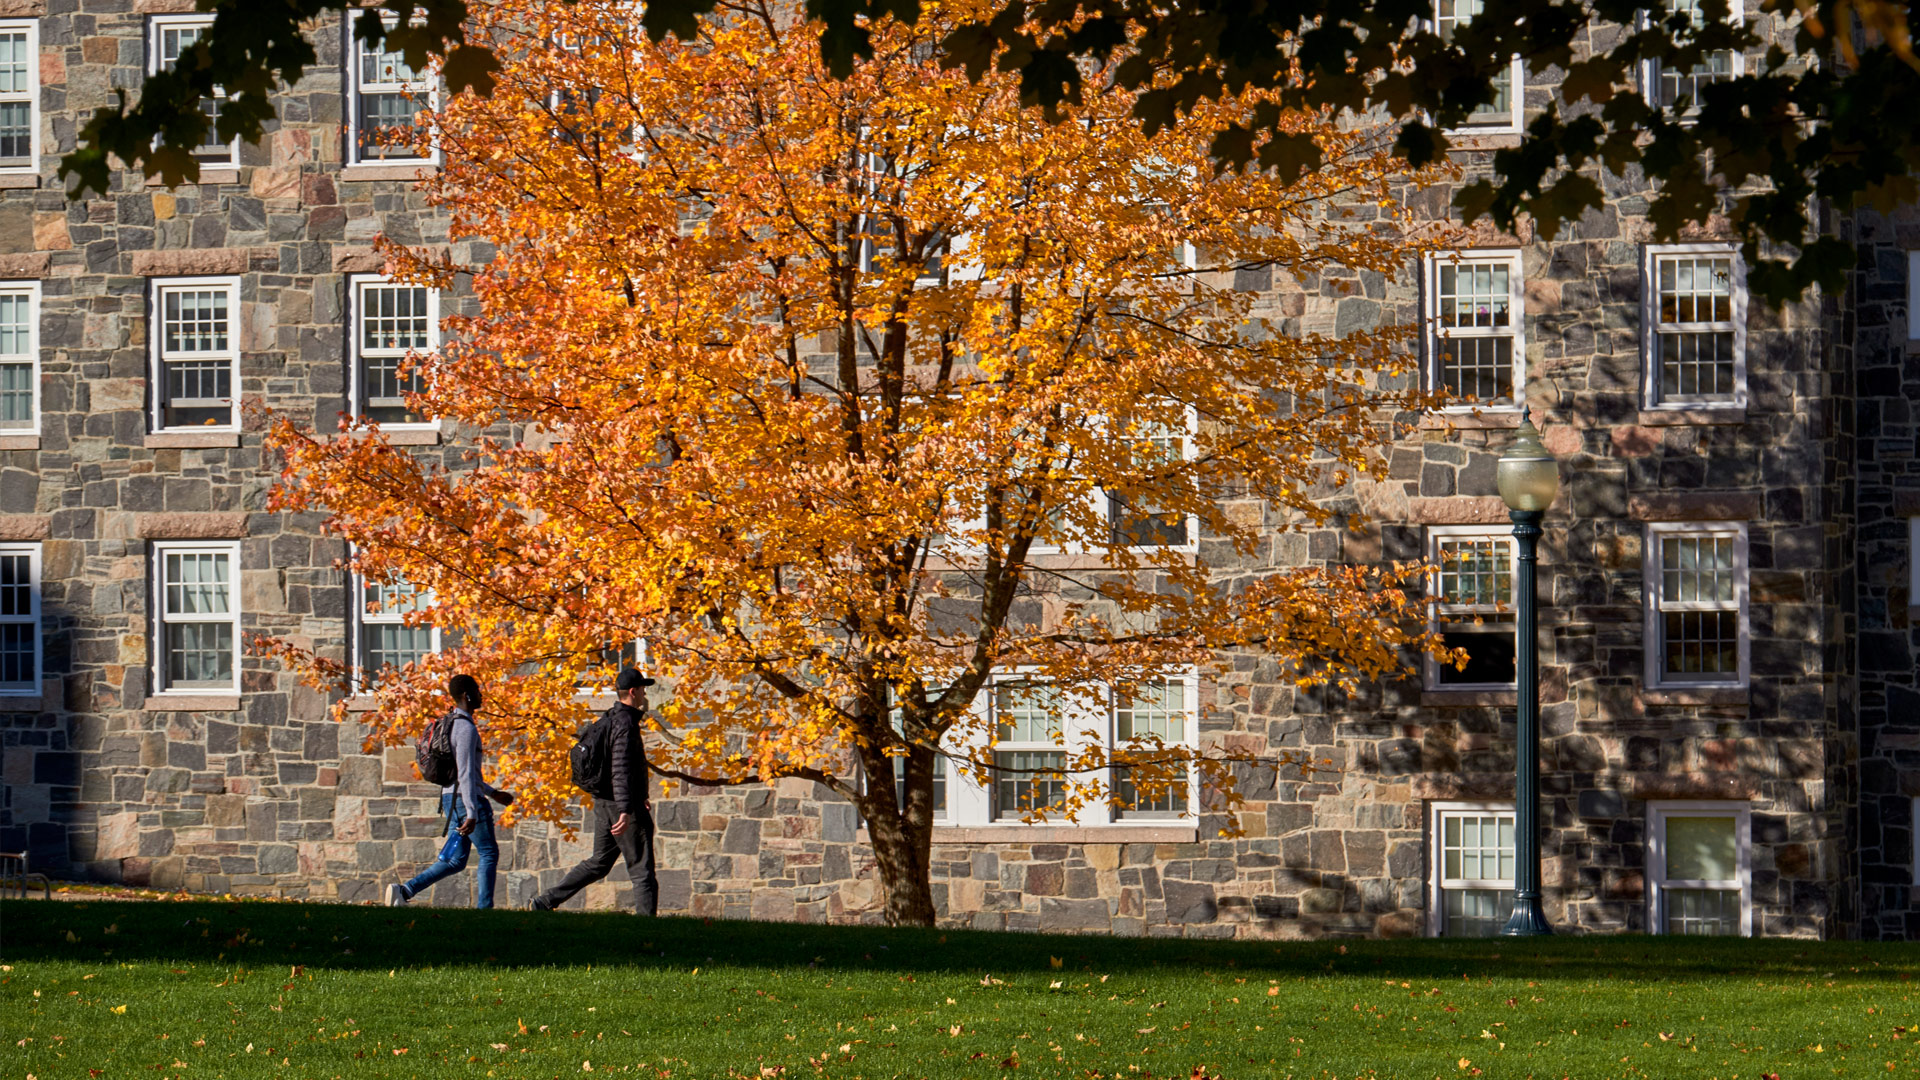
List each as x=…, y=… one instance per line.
x=1528, y=918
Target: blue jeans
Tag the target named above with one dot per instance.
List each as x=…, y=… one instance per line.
x=453, y=855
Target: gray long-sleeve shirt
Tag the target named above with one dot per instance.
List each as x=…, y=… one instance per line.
x=469, y=785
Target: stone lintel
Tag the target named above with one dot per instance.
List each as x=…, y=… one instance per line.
x=188, y=440
x=411, y=171
x=1697, y=695
x=1702, y=417
x=20, y=442
x=190, y=262
x=193, y=703
x=1692, y=786
x=193, y=526
x=1694, y=506
x=1463, y=786
x=1906, y=503
x=163, y=7
x=1477, y=419
x=24, y=9
x=1459, y=510
x=209, y=176
x=366, y=260
x=28, y=264
x=19, y=181
x=1062, y=834
x=25, y=527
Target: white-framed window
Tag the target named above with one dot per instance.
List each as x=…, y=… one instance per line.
x=1667, y=87
x=384, y=99
x=169, y=37
x=197, y=598
x=1039, y=730
x=1913, y=296
x=622, y=653
x=1696, y=327
x=1502, y=115
x=20, y=632
x=391, y=321
x=196, y=354
x=1470, y=887
x=1696, y=588
x=1700, y=868
x=383, y=637
x=19, y=356
x=19, y=95
x=1476, y=346
x=1135, y=523
x=1471, y=606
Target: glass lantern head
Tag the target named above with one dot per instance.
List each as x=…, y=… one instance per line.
x=1528, y=476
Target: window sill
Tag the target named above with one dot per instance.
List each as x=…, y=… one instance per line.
x=1171, y=833
x=1469, y=698
x=165, y=440
x=1703, y=416
x=360, y=703
x=422, y=436
x=1696, y=695
x=49, y=697
x=19, y=442
x=1477, y=419
x=19, y=181
x=209, y=176
x=1913, y=346
x=1498, y=138
x=1056, y=561
x=193, y=703
x=419, y=170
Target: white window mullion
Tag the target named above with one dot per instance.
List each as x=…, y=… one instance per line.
x=1503, y=114
x=1696, y=587
x=196, y=354
x=1695, y=323
x=1470, y=604
x=197, y=601
x=390, y=322
x=19, y=96
x=1471, y=856
x=1700, y=868
x=19, y=356
x=383, y=637
x=1476, y=308
x=172, y=35
x=1664, y=87
x=384, y=97
x=21, y=660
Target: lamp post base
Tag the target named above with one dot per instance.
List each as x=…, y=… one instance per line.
x=1528, y=920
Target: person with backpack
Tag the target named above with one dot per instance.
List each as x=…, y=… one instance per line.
x=610, y=763
x=449, y=755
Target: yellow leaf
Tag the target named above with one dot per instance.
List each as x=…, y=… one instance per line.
x=120, y=1009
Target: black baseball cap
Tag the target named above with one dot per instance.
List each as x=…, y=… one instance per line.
x=630, y=679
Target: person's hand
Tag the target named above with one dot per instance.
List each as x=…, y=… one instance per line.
x=620, y=826
x=504, y=798
x=466, y=827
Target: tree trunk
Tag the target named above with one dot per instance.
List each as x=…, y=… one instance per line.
x=903, y=837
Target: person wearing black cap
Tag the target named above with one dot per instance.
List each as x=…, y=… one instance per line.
x=622, y=817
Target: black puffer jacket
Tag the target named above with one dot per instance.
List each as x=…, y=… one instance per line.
x=628, y=755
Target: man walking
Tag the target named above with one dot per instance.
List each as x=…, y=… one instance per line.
x=464, y=803
x=622, y=815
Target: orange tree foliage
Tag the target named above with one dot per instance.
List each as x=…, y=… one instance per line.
x=854, y=393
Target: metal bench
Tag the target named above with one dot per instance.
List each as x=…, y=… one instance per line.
x=16, y=880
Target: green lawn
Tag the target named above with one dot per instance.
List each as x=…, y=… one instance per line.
x=103, y=989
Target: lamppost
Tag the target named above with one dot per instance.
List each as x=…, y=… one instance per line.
x=1528, y=478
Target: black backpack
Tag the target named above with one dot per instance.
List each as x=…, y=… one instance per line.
x=433, y=753
x=591, y=759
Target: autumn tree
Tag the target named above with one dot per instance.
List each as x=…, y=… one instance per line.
x=863, y=400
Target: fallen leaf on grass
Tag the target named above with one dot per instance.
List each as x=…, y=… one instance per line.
x=398, y=1050
x=954, y=1031
x=498, y=1046
x=1055, y=962
x=1146, y=1031
x=120, y=1010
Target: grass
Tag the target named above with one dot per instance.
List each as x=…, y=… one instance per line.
x=104, y=989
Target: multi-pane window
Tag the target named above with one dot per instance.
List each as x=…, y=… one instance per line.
x=1670, y=86
x=19, y=94
x=199, y=626
x=173, y=35
x=1699, y=868
x=196, y=350
x=1156, y=715
x=19, y=619
x=1477, y=344
x=386, y=98
x=939, y=778
x=1027, y=758
x=19, y=356
x=1697, y=610
x=1696, y=326
x=1503, y=112
x=394, y=324
x=1473, y=867
x=1136, y=522
x=385, y=638
x=1471, y=606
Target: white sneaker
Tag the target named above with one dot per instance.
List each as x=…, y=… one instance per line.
x=396, y=896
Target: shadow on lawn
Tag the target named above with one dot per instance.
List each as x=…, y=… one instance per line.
x=338, y=936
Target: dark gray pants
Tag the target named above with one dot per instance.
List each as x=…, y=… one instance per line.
x=635, y=845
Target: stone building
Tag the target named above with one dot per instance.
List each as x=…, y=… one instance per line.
x=1731, y=707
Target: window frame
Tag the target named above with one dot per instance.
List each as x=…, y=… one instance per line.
x=32, y=291
x=1516, y=319
x=1658, y=813
x=1436, y=535
x=1189, y=680
x=364, y=676
x=1651, y=70
x=156, y=26
x=1437, y=883
x=1650, y=328
x=354, y=51
x=1655, y=637
x=162, y=620
x=35, y=617
x=157, y=357
x=1516, y=94
x=357, y=353
x=32, y=95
